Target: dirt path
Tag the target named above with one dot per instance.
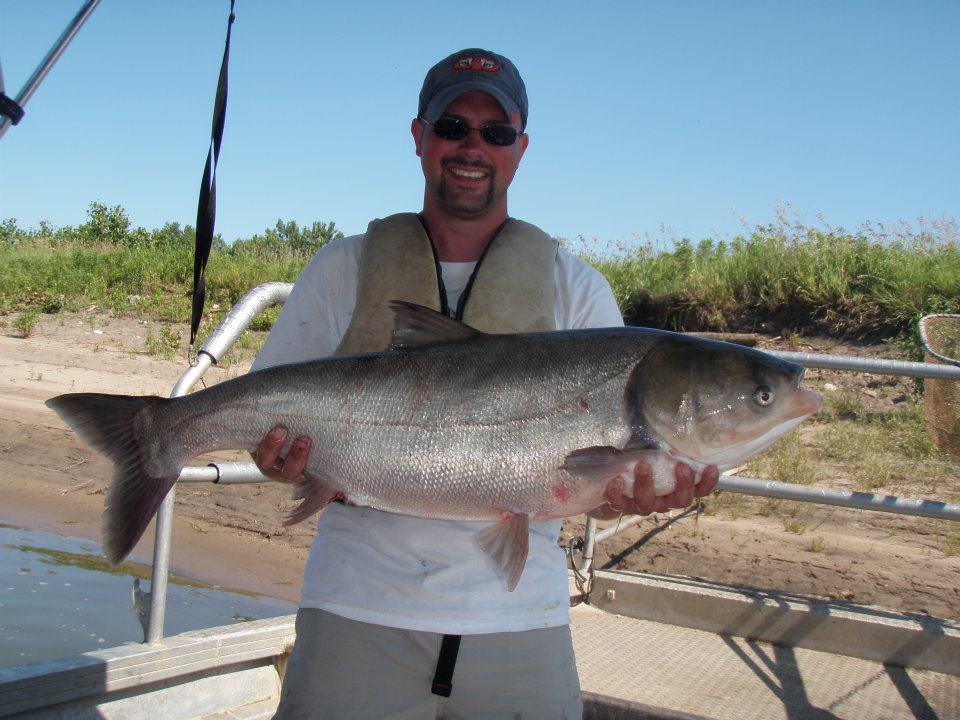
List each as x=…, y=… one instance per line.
x=232, y=535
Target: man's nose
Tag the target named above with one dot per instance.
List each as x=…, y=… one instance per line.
x=473, y=138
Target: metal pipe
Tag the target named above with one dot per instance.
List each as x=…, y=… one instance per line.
x=164, y=526
x=627, y=521
x=589, y=544
x=160, y=570
x=232, y=326
x=224, y=473
x=241, y=315
x=869, y=365
x=47, y=63
x=824, y=496
x=846, y=498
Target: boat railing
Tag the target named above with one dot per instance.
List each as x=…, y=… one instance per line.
x=151, y=606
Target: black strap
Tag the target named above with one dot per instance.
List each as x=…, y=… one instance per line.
x=10, y=108
x=446, y=662
x=207, y=205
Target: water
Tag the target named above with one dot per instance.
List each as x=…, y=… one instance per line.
x=59, y=597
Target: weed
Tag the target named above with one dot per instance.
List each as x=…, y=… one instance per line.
x=875, y=472
x=165, y=344
x=843, y=405
x=793, y=525
x=950, y=543
x=732, y=505
x=791, y=462
x=26, y=322
x=817, y=545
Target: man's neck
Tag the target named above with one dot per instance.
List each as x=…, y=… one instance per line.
x=458, y=239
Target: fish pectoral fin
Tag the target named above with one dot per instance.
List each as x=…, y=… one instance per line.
x=600, y=463
x=506, y=543
x=419, y=326
x=313, y=493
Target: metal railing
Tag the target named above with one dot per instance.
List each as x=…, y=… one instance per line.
x=801, y=493
x=231, y=328
x=228, y=473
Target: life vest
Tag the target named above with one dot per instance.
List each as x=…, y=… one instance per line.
x=511, y=289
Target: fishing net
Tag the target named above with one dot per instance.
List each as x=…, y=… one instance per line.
x=941, y=398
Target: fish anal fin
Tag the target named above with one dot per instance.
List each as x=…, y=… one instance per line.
x=506, y=544
x=314, y=493
x=419, y=326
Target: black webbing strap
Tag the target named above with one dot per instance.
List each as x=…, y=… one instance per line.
x=207, y=204
x=446, y=662
x=10, y=109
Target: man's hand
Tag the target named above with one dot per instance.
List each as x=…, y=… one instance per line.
x=287, y=469
x=645, y=502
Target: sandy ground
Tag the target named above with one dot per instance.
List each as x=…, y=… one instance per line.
x=232, y=536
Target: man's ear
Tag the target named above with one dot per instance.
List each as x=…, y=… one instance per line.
x=524, y=141
x=416, y=129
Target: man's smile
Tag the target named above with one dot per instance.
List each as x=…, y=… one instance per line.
x=461, y=172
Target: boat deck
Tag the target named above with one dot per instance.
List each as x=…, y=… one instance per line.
x=651, y=670
x=647, y=647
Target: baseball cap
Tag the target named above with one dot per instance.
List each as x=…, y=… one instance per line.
x=473, y=69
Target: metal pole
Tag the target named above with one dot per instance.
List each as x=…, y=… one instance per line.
x=55, y=52
x=232, y=326
x=846, y=498
x=824, y=496
x=869, y=365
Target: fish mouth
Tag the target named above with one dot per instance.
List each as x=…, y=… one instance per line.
x=803, y=404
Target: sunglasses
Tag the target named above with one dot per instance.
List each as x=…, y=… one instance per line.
x=451, y=128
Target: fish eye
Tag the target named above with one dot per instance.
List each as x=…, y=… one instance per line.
x=763, y=395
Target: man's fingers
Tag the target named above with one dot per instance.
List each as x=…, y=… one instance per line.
x=296, y=460
x=708, y=481
x=268, y=451
x=614, y=494
x=644, y=500
x=682, y=495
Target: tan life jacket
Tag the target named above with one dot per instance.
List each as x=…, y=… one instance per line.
x=511, y=290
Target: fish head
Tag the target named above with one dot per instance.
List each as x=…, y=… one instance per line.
x=714, y=402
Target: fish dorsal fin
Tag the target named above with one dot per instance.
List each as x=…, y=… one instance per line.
x=419, y=326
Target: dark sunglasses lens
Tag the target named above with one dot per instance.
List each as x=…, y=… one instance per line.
x=502, y=135
x=447, y=128
x=450, y=129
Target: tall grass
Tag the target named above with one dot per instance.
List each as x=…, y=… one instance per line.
x=783, y=276
x=108, y=263
x=830, y=282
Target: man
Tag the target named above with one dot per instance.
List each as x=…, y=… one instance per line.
x=386, y=598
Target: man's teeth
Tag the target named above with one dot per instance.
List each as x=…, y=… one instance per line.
x=476, y=174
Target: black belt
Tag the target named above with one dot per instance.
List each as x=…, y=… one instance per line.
x=446, y=662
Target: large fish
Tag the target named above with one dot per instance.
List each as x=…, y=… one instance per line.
x=457, y=424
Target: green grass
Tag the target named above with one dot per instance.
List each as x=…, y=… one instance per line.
x=26, y=322
x=812, y=281
x=780, y=278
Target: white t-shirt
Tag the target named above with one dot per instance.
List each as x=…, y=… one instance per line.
x=410, y=572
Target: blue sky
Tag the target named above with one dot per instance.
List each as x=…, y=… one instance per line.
x=647, y=119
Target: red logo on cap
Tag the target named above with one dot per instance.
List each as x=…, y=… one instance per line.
x=477, y=64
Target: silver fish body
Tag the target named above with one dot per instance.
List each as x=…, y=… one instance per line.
x=457, y=424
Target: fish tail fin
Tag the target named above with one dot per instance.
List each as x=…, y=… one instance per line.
x=108, y=423
x=506, y=544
